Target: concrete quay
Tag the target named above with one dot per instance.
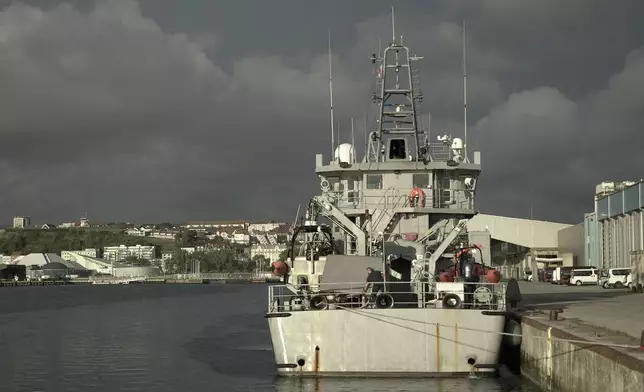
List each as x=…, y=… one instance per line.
x=593, y=345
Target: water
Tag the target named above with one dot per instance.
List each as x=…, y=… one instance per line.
x=159, y=338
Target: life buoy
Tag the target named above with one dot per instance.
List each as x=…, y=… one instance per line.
x=384, y=301
x=417, y=198
x=452, y=301
x=325, y=186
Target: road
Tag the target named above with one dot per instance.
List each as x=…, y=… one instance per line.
x=547, y=296
x=613, y=309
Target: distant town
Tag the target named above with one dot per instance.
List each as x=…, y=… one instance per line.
x=190, y=247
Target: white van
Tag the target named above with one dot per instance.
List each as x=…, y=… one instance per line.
x=615, y=277
x=583, y=276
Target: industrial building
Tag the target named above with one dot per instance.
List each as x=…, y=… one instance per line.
x=616, y=228
x=520, y=245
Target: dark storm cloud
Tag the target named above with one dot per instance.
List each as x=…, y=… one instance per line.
x=158, y=110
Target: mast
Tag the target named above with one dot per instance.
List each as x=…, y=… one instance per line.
x=464, y=97
x=331, y=100
x=397, y=96
x=353, y=139
x=393, y=26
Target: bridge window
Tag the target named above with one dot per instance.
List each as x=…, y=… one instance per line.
x=420, y=180
x=397, y=149
x=374, y=181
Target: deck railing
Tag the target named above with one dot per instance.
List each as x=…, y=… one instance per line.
x=444, y=198
x=351, y=295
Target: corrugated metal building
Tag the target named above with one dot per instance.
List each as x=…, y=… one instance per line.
x=571, y=245
x=617, y=227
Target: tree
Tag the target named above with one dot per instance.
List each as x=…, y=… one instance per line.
x=186, y=238
x=261, y=262
x=57, y=240
x=135, y=261
x=285, y=253
x=219, y=242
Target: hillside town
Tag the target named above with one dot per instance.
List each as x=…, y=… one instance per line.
x=166, y=247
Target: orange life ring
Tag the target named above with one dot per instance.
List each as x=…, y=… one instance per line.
x=415, y=195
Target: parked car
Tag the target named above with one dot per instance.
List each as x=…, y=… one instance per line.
x=584, y=276
x=615, y=278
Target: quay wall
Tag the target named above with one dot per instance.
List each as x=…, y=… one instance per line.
x=564, y=366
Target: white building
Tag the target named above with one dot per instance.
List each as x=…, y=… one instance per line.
x=117, y=253
x=138, y=232
x=271, y=252
x=21, y=222
x=164, y=235
x=167, y=255
x=193, y=249
x=241, y=224
x=68, y=254
x=264, y=227
x=8, y=259
x=241, y=238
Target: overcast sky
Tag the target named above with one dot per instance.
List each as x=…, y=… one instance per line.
x=200, y=109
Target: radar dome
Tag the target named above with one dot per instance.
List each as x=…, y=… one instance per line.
x=345, y=154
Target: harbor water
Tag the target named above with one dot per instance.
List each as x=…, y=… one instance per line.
x=161, y=338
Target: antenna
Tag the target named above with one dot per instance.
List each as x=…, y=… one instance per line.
x=331, y=99
x=353, y=139
x=366, y=146
x=429, y=127
x=464, y=96
x=297, y=214
x=393, y=25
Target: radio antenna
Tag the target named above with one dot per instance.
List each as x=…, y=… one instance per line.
x=464, y=96
x=331, y=100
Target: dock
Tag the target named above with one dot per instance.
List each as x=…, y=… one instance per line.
x=586, y=339
x=220, y=278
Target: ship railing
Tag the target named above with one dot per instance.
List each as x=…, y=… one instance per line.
x=440, y=152
x=353, y=296
x=435, y=197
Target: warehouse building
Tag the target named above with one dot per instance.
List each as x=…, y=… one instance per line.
x=616, y=227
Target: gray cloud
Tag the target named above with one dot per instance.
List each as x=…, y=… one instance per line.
x=155, y=110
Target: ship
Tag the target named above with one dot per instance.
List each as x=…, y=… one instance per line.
x=401, y=210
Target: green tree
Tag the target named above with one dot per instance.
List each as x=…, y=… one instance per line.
x=261, y=262
x=186, y=238
x=57, y=240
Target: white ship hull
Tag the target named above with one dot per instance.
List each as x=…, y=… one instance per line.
x=385, y=342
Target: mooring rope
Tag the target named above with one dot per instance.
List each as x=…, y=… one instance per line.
x=573, y=341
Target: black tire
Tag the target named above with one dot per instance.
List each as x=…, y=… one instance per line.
x=618, y=285
x=452, y=301
x=384, y=301
x=318, y=302
x=578, y=283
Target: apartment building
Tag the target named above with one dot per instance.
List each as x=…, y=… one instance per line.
x=89, y=252
x=21, y=222
x=118, y=253
x=270, y=252
x=209, y=225
x=265, y=227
